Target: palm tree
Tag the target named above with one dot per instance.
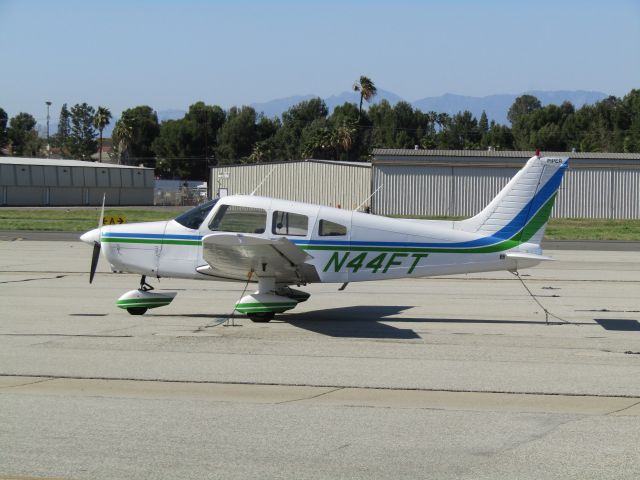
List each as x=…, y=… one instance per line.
x=122, y=137
x=101, y=120
x=367, y=91
x=342, y=137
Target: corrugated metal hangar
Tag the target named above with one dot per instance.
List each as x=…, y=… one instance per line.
x=441, y=182
x=462, y=182
x=48, y=182
x=323, y=182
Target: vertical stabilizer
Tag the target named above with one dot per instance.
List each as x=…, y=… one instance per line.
x=522, y=208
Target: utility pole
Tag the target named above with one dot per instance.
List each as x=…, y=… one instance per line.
x=48, y=147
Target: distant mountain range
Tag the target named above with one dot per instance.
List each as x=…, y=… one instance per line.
x=496, y=106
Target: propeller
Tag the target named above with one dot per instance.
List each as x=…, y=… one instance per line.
x=96, y=243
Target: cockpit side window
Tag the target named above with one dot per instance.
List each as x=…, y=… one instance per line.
x=331, y=229
x=237, y=219
x=287, y=223
x=193, y=218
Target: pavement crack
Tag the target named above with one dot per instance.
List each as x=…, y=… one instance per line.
x=311, y=397
x=42, y=380
x=624, y=408
x=34, y=279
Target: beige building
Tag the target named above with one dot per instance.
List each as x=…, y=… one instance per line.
x=462, y=182
x=323, y=182
x=49, y=182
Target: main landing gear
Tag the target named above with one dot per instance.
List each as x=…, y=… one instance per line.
x=262, y=305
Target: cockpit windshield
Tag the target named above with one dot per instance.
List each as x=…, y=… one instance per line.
x=194, y=217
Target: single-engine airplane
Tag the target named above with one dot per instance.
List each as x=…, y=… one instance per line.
x=280, y=243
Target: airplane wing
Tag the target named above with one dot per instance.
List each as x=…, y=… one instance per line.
x=234, y=255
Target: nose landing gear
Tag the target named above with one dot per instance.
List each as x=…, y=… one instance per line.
x=137, y=302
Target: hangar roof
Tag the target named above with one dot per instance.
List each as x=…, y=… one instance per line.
x=307, y=160
x=501, y=154
x=56, y=162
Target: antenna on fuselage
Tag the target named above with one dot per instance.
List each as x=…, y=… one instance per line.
x=369, y=197
x=263, y=180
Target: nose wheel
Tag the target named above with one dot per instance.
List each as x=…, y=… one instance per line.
x=137, y=310
x=261, y=317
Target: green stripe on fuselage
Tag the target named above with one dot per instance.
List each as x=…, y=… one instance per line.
x=522, y=236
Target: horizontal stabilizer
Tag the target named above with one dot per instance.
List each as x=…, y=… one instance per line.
x=526, y=260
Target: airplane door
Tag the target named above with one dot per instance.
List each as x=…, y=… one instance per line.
x=179, y=251
x=331, y=244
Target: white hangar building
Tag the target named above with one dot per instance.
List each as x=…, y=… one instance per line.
x=52, y=182
x=462, y=182
x=324, y=182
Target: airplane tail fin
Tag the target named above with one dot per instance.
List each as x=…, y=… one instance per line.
x=521, y=210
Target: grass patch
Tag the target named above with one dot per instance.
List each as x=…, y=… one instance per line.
x=590, y=229
x=83, y=219
x=75, y=220
x=578, y=228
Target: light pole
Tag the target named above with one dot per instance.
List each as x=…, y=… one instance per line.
x=48, y=148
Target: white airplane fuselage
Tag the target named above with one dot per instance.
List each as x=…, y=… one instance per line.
x=280, y=243
x=373, y=248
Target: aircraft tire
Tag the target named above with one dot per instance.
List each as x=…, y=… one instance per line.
x=136, y=310
x=261, y=317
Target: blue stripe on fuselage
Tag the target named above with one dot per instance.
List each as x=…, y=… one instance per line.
x=152, y=235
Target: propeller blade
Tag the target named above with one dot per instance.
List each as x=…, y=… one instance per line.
x=96, y=245
x=104, y=197
x=94, y=260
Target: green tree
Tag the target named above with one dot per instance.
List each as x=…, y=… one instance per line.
x=400, y=126
x=61, y=138
x=367, y=90
x=483, y=123
x=82, y=139
x=205, y=121
x=141, y=124
x=498, y=137
x=316, y=141
x=631, y=105
x=521, y=120
x=343, y=137
x=238, y=135
x=523, y=105
x=460, y=132
x=4, y=137
x=359, y=132
x=121, y=138
x=288, y=139
x=22, y=135
x=101, y=119
x=186, y=147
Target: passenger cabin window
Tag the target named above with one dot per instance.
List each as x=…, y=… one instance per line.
x=331, y=229
x=287, y=223
x=234, y=218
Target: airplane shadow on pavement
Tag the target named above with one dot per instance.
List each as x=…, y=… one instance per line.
x=367, y=321
x=620, y=325
x=355, y=322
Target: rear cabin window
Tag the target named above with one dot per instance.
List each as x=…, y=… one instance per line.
x=331, y=229
x=234, y=218
x=287, y=223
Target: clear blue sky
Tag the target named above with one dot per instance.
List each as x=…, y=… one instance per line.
x=169, y=54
